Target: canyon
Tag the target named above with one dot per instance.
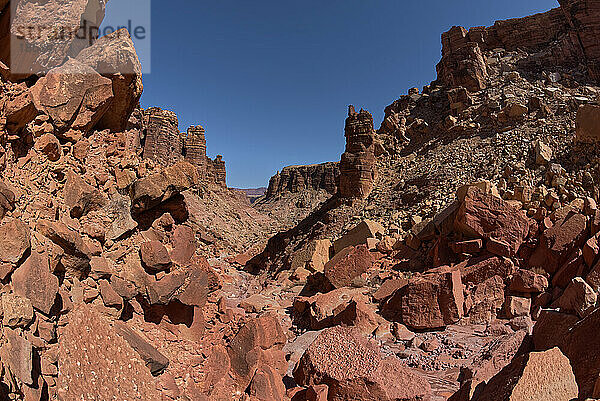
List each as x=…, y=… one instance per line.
x=450, y=254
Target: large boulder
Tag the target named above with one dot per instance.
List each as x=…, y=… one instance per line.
x=74, y=95
x=81, y=197
x=343, y=306
x=537, y=376
x=347, y=265
x=18, y=108
x=33, y=280
x=430, y=301
x=478, y=270
x=155, y=361
x=559, y=241
x=14, y=244
x=582, y=345
x=42, y=49
x=76, y=254
x=483, y=215
x=359, y=235
x=150, y=191
x=114, y=57
x=7, y=200
x=17, y=355
x=487, y=364
x=255, y=345
x=89, y=347
x=588, y=123
x=353, y=369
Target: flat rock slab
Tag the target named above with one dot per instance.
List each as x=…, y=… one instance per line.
x=98, y=364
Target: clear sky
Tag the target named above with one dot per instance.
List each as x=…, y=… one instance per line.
x=271, y=80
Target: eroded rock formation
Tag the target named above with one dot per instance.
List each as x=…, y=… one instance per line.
x=304, y=178
x=563, y=36
x=357, y=167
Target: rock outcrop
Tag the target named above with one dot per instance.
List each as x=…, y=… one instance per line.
x=43, y=35
x=114, y=57
x=163, y=142
x=560, y=37
x=74, y=95
x=314, y=177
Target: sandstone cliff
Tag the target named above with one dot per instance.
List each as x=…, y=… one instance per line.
x=295, y=191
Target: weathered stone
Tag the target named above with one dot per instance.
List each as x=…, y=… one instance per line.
x=359, y=235
x=109, y=295
x=486, y=365
x=18, y=109
x=14, y=244
x=155, y=361
x=296, y=179
x=357, y=166
x=431, y=301
x=17, y=311
x=578, y=298
x=313, y=257
x=163, y=143
x=485, y=301
x=542, y=153
x=81, y=197
x=247, y=347
x=533, y=377
x=347, y=265
x=590, y=251
x=559, y=241
x=478, y=270
x=551, y=329
x=184, y=245
x=34, y=281
x=73, y=95
x=155, y=256
x=587, y=129
x=470, y=246
x=100, y=267
x=517, y=306
x=17, y=353
x=352, y=368
x=7, y=200
x=388, y=288
x=114, y=57
x=76, y=257
x=90, y=347
x=527, y=281
x=149, y=192
x=343, y=306
x=267, y=385
x=42, y=47
x=462, y=63
x=49, y=145
x=485, y=216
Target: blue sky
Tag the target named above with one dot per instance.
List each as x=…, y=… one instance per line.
x=271, y=80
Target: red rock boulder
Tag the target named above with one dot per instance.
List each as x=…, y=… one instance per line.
x=353, y=368
x=483, y=215
x=537, y=376
x=347, y=265
x=114, y=57
x=73, y=95
x=90, y=347
x=430, y=301
x=559, y=241
x=14, y=243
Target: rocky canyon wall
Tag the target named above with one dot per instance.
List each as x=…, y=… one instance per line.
x=563, y=36
x=301, y=178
